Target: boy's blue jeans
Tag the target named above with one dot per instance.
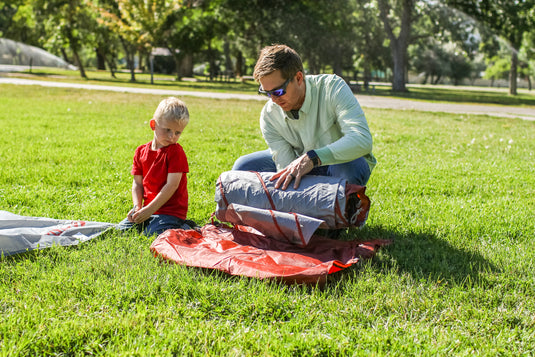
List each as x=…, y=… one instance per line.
x=156, y=224
x=356, y=171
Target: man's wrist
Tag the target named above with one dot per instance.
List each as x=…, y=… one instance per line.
x=312, y=155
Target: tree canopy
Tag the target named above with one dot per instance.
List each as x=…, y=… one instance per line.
x=353, y=38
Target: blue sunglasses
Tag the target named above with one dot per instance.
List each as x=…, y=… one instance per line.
x=275, y=92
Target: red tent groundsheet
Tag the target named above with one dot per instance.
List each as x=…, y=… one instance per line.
x=243, y=251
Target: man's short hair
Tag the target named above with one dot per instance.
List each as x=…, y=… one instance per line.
x=278, y=57
x=172, y=109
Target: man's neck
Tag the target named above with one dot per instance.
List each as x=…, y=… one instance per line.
x=302, y=99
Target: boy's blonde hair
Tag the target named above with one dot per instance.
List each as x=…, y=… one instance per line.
x=172, y=109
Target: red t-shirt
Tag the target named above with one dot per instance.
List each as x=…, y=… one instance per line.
x=154, y=167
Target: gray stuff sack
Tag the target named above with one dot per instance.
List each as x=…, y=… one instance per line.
x=249, y=198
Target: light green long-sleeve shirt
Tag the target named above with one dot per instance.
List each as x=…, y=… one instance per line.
x=331, y=122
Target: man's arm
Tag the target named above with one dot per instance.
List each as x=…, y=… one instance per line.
x=173, y=180
x=356, y=140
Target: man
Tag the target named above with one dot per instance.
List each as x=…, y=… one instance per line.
x=312, y=125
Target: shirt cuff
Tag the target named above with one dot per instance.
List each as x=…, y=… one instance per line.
x=325, y=155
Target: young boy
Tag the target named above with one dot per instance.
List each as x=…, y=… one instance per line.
x=159, y=190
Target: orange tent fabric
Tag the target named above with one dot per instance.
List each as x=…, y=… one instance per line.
x=246, y=252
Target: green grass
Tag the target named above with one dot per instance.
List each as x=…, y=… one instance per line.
x=454, y=192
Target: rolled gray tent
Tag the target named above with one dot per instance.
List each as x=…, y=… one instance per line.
x=250, y=198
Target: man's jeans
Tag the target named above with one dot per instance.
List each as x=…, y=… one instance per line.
x=356, y=171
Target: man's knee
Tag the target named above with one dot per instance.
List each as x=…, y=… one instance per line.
x=242, y=164
x=256, y=161
x=355, y=172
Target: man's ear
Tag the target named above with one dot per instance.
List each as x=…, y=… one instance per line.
x=300, y=77
x=152, y=124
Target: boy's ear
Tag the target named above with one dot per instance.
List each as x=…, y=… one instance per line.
x=152, y=124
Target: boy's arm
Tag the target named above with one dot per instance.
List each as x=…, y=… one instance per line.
x=173, y=180
x=137, y=191
x=137, y=195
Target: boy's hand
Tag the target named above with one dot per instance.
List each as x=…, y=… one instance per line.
x=131, y=214
x=141, y=215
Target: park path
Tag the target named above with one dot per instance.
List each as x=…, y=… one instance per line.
x=365, y=101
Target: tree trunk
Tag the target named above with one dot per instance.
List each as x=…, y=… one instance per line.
x=337, y=64
x=398, y=45
x=129, y=59
x=229, y=70
x=74, y=49
x=111, y=66
x=513, y=73
x=239, y=65
x=186, y=65
x=367, y=77
x=178, y=60
x=64, y=54
x=79, y=63
x=140, y=64
x=101, y=59
x=398, y=59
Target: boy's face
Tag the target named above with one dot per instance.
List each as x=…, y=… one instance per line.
x=166, y=132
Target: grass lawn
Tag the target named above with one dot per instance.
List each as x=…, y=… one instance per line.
x=454, y=192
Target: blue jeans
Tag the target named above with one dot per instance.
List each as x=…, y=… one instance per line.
x=356, y=171
x=156, y=224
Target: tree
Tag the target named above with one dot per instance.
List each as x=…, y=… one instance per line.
x=139, y=24
x=18, y=23
x=254, y=24
x=397, y=17
x=106, y=48
x=460, y=67
x=497, y=68
x=509, y=19
x=112, y=18
x=194, y=29
x=319, y=30
x=68, y=24
x=528, y=57
x=322, y=31
x=432, y=61
x=368, y=40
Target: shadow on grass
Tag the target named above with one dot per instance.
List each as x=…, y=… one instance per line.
x=426, y=257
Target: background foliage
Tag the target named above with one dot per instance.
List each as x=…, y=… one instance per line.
x=365, y=40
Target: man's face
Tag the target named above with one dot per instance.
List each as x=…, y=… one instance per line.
x=295, y=94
